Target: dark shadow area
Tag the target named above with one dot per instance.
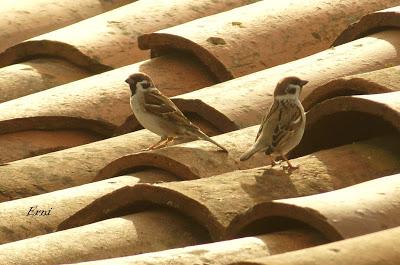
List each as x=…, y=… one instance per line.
x=272, y=224
x=341, y=128
x=375, y=30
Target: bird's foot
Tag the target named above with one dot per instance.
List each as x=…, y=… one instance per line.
x=147, y=149
x=290, y=167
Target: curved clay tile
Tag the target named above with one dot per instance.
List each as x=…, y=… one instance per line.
x=343, y=120
x=81, y=100
x=95, y=106
x=128, y=235
x=216, y=201
x=99, y=58
x=377, y=21
x=224, y=252
x=97, y=44
x=375, y=248
x=353, y=211
x=261, y=35
x=25, y=19
x=83, y=163
x=100, y=43
x=36, y=75
x=380, y=81
x=110, y=39
x=193, y=160
x=87, y=163
x=63, y=203
x=250, y=96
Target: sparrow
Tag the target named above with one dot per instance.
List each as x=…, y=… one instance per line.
x=159, y=114
x=283, y=125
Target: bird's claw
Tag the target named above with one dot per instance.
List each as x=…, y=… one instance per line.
x=290, y=167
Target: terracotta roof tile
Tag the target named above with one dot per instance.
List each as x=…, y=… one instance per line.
x=224, y=252
x=157, y=227
x=354, y=118
x=74, y=105
x=217, y=201
x=379, y=81
x=275, y=33
x=383, y=19
x=123, y=236
x=103, y=42
x=108, y=199
x=375, y=248
x=26, y=19
x=247, y=106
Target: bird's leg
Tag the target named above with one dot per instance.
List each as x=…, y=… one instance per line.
x=273, y=163
x=156, y=145
x=289, y=164
x=167, y=141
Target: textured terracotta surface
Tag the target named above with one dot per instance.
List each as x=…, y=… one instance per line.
x=276, y=32
x=63, y=204
x=192, y=160
x=388, y=18
x=225, y=252
x=343, y=120
x=87, y=163
x=100, y=43
x=82, y=164
x=128, y=235
x=26, y=144
x=250, y=96
x=217, y=201
x=376, y=248
x=110, y=39
x=245, y=107
x=30, y=18
x=97, y=104
x=35, y=75
x=379, y=81
x=353, y=211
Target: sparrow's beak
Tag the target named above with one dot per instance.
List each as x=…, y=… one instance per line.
x=131, y=86
x=303, y=82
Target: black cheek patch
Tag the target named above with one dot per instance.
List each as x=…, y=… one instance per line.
x=291, y=90
x=146, y=85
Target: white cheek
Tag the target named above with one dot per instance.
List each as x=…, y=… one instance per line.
x=139, y=86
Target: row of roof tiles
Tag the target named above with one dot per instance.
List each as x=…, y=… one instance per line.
x=95, y=51
x=357, y=210
x=74, y=106
x=26, y=19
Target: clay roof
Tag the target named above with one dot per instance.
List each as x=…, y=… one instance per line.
x=72, y=148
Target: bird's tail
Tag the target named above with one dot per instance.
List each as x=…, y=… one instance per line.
x=208, y=138
x=249, y=153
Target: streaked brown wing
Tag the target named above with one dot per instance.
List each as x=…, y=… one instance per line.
x=267, y=116
x=162, y=106
x=290, y=119
x=157, y=103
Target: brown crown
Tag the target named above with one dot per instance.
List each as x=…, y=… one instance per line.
x=285, y=82
x=137, y=77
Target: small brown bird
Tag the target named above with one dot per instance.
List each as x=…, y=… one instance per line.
x=159, y=114
x=283, y=126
